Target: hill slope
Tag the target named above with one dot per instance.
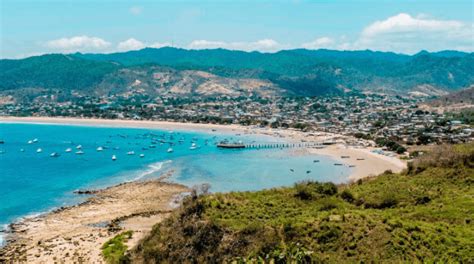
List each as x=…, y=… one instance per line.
x=423, y=215
x=295, y=72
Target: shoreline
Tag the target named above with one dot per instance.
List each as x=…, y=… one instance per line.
x=62, y=230
x=376, y=163
x=77, y=232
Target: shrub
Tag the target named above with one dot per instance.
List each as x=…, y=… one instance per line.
x=327, y=204
x=347, y=196
x=114, y=249
x=303, y=191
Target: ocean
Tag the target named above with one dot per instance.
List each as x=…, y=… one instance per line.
x=33, y=182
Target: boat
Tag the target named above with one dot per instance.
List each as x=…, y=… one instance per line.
x=2, y=142
x=193, y=146
x=114, y=157
x=39, y=150
x=54, y=155
x=35, y=140
x=30, y=141
x=68, y=150
x=314, y=161
x=80, y=152
x=225, y=144
x=2, y=152
x=308, y=172
x=22, y=150
x=352, y=166
x=100, y=148
x=131, y=153
x=360, y=159
x=345, y=157
x=142, y=155
x=78, y=146
x=337, y=164
x=169, y=150
x=152, y=146
x=292, y=170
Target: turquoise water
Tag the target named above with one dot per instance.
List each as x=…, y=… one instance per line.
x=32, y=182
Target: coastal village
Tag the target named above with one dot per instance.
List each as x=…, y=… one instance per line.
x=392, y=121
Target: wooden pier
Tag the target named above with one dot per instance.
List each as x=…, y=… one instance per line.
x=284, y=145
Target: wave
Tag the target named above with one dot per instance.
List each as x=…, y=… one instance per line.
x=152, y=168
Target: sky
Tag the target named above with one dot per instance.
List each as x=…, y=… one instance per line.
x=36, y=27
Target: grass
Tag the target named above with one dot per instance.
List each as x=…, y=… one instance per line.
x=114, y=249
x=422, y=215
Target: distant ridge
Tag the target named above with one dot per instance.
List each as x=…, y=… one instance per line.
x=292, y=72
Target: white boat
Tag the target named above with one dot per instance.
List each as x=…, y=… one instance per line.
x=100, y=148
x=39, y=150
x=22, y=150
x=193, y=146
x=142, y=155
x=35, y=140
x=68, y=150
x=78, y=146
x=80, y=152
x=54, y=155
x=131, y=153
x=30, y=141
x=114, y=157
x=169, y=150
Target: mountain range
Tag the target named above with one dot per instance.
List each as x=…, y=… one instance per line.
x=215, y=72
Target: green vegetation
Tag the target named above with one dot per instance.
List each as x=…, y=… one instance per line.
x=421, y=215
x=298, y=72
x=114, y=249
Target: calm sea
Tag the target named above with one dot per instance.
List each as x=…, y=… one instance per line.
x=33, y=182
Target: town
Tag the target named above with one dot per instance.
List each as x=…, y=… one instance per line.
x=389, y=120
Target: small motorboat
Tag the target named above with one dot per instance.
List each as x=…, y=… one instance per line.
x=308, y=172
x=114, y=157
x=35, y=140
x=314, y=161
x=345, y=157
x=22, y=150
x=30, y=141
x=54, y=155
x=352, y=166
x=2, y=152
x=337, y=164
x=68, y=150
x=79, y=147
x=292, y=170
x=169, y=150
x=360, y=159
x=142, y=155
x=193, y=146
x=100, y=149
x=39, y=150
x=131, y=153
x=80, y=152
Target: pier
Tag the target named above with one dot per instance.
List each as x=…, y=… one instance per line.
x=272, y=145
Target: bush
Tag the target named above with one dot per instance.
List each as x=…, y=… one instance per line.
x=308, y=190
x=347, y=196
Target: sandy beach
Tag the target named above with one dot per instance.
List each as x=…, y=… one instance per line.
x=75, y=234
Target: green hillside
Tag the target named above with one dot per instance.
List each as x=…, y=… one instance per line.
x=298, y=72
x=421, y=215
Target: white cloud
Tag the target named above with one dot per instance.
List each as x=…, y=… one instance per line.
x=78, y=43
x=158, y=45
x=405, y=33
x=319, y=43
x=136, y=10
x=260, y=45
x=130, y=44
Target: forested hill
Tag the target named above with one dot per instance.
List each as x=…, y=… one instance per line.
x=294, y=72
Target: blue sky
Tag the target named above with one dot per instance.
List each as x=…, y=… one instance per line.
x=36, y=27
